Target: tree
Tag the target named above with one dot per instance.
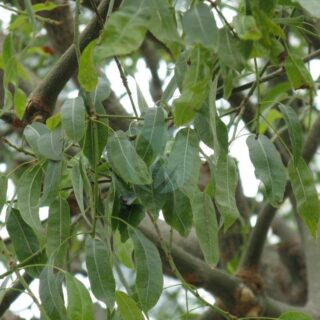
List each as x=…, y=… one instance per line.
x=133, y=194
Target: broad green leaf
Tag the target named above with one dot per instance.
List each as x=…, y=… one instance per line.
x=100, y=271
x=202, y=124
x=125, y=30
x=50, y=145
x=25, y=242
x=177, y=212
x=183, y=164
x=58, y=231
x=87, y=74
x=294, y=129
x=32, y=133
x=149, y=278
x=298, y=75
x=205, y=222
x=73, y=118
x=293, y=315
x=80, y=306
x=28, y=194
x=9, y=61
x=19, y=101
x=226, y=180
x=312, y=6
x=268, y=167
x=200, y=27
x=229, y=51
x=123, y=250
x=53, y=121
x=269, y=117
x=50, y=291
x=127, y=307
x=151, y=141
x=305, y=192
x=125, y=161
x=3, y=190
x=275, y=95
x=51, y=182
x=246, y=28
x=77, y=184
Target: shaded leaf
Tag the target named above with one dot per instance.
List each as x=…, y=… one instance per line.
x=246, y=27
x=149, y=279
x=305, y=192
x=100, y=271
x=3, y=190
x=77, y=184
x=125, y=161
x=33, y=132
x=127, y=307
x=50, y=145
x=268, y=167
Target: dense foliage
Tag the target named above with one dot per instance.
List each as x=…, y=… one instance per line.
x=137, y=190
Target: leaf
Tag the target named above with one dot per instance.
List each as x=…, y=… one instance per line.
x=50, y=145
x=73, y=118
x=312, y=6
x=294, y=129
x=125, y=30
x=50, y=291
x=3, y=190
x=269, y=117
x=246, y=28
x=226, y=180
x=205, y=222
x=51, y=182
x=28, y=194
x=47, y=6
x=77, y=184
x=183, y=163
x=58, y=232
x=53, y=121
x=32, y=133
x=80, y=306
x=100, y=273
x=87, y=74
x=149, y=279
x=25, y=242
x=202, y=124
x=9, y=61
x=177, y=212
x=123, y=250
x=125, y=161
x=200, y=27
x=19, y=101
x=298, y=75
x=293, y=315
x=268, y=167
x=127, y=307
x=305, y=192
x=152, y=138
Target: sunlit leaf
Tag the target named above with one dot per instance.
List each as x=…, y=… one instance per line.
x=19, y=101
x=127, y=307
x=149, y=279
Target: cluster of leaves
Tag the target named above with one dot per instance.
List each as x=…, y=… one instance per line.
x=119, y=177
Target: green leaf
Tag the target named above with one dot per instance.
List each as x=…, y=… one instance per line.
x=202, y=124
x=205, y=222
x=32, y=133
x=305, y=192
x=298, y=75
x=269, y=117
x=177, y=212
x=152, y=138
x=73, y=118
x=294, y=129
x=19, y=101
x=123, y=250
x=58, y=232
x=87, y=74
x=28, y=194
x=50, y=145
x=183, y=164
x=149, y=279
x=77, y=184
x=125, y=30
x=100, y=274
x=312, y=6
x=51, y=182
x=200, y=26
x=80, y=306
x=226, y=180
x=125, y=161
x=127, y=307
x=50, y=291
x=268, y=167
x=25, y=242
x=46, y=6
x=293, y=315
x=142, y=103
x=9, y=61
x=53, y=121
x=3, y=190
x=246, y=27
